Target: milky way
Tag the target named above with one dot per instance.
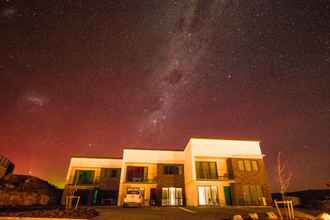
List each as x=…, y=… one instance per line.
x=176, y=77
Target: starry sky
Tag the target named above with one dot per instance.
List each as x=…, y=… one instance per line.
x=92, y=77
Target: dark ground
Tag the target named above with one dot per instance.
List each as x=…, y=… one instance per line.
x=173, y=213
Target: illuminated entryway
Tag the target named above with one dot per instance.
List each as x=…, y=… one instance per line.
x=172, y=196
x=207, y=195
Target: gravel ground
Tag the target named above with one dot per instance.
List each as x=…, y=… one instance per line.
x=173, y=213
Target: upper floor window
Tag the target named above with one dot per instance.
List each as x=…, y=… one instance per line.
x=248, y=165
x=136, y=174
x=206, y=170
x=114, y=173
x=110, y=172
x=84, y=177
x=254, y=165
x=241, y=165
x=172, y=170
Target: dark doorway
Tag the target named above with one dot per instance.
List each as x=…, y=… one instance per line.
x=154, y=198
x=107, y=197
x=85, y=197
x=227, y=190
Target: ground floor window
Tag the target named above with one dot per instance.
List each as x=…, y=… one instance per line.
x=207, y=195
x=172, y=196
x=252, y=194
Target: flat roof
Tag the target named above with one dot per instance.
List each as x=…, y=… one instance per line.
x=151, y=148
x=221, y=139
x=99, y=157
x=174, y=149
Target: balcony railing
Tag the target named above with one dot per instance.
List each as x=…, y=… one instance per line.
x=82, y=186
x=141, y=180
x=218, y=178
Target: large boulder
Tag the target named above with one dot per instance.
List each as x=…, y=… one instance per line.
x=23, y=190
x=6, y=166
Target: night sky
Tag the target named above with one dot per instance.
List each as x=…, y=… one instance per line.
x=93, y=77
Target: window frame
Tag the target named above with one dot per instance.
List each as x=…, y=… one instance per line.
x=137, y=177
x=252, y=193
x=204, y=172
x=114, y=173
x=168, y=170
x=77, y=174
x=247, y=165
x=241, y=166
x=255, y=166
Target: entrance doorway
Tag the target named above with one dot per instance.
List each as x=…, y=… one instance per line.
x=227, y=191
x=207, y=195
x=154, y=197
x=86, y=197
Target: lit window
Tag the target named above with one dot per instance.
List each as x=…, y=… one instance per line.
x=259, y=191
x=247, y=164
x=254, y=165
x=246, y=194
x=206, y=170
x=252, y=194
x=172, y=196
x=241, y=165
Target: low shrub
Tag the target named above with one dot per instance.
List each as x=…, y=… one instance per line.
x=54, y=213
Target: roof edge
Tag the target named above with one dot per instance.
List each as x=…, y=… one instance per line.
x=98, y=157
x=153, y=149
x=217, y=139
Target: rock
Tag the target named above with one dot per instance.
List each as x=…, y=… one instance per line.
x=21, y=190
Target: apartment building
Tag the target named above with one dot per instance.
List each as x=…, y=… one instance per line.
x=207, y=172
x=94, y=180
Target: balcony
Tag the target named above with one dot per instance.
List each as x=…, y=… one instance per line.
x=224, y=177
x=141, y=180
x=82, y=186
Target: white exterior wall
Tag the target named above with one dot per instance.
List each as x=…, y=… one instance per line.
x=190, y=186
x=224, y=148
x=153, y=156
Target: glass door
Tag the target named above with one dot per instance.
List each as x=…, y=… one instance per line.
x=172, y=196
x=207, y=195
x=172, y=200
x=165, y=197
